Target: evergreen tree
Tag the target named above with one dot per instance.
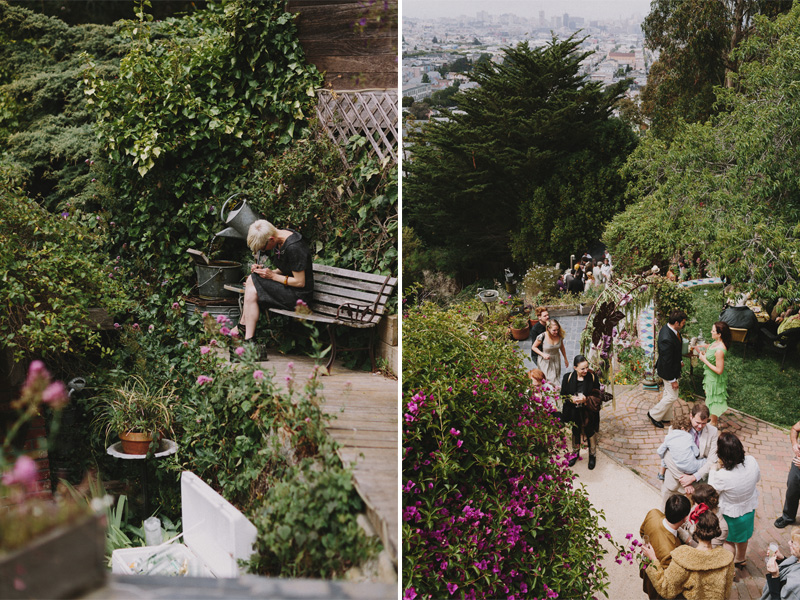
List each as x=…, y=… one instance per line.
x=525, y=169
x=696, y=40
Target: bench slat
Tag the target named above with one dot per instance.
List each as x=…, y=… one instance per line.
x=351, y=284
x=349, y=274
x=330, y=293
x=323, y=319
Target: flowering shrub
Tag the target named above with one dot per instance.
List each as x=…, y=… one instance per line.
x=540, y=279
x=489, y=507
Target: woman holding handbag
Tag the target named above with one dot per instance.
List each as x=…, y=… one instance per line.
x=580, y=390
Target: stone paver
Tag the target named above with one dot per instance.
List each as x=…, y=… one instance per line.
x=627, y=436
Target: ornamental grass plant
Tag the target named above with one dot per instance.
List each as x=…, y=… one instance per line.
x=490, y=508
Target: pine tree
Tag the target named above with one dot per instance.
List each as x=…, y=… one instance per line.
x=525, y=167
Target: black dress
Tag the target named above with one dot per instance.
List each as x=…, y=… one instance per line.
x=293, y=256
x=584, y=420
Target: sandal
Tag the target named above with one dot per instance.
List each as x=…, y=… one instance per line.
x=740, y=565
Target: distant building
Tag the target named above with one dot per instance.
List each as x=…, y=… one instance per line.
x=418, y=90
x=623, y=58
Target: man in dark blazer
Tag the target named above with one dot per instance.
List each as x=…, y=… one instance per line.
x=668, y=366
x=662, y=529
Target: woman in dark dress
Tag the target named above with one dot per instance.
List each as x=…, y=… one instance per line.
x=291, y=280
x=580, y=390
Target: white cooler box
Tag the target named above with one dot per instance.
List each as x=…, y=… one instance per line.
x=215, y=536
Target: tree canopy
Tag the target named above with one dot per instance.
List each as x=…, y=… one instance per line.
x=695, y=40
x=728, y=189
x=525, y=168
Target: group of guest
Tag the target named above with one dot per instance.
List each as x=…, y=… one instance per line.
x=585, y=275
x=699, y=540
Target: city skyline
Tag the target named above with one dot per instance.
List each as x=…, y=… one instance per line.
x=589, y=9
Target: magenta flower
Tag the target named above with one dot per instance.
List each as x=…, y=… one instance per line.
x=23, y=473
x=454, y=431
x=175, y=306
x=452, y=587
x=224, y=330
x=203, y=379
x=117, y=325
x=410, y=594
x=258, y=374
x=222, y=319
x=204, y=349
x=239, y=351
x=56, y=395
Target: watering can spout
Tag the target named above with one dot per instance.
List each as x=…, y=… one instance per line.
x=238, y=220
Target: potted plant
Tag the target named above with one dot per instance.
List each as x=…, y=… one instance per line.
x=520, y=327
x=138, y=413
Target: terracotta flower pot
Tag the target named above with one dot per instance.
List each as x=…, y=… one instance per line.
x=135, y=443
x=520, y=334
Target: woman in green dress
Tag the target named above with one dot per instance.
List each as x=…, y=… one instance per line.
x=715, y=381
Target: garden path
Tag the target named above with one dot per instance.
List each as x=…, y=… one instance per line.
x=627, y=436
x=365, y=406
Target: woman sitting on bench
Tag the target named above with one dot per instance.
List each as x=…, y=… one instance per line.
x=282, y=287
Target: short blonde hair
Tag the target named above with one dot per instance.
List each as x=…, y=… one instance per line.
x=796, y=535
x=259, y=234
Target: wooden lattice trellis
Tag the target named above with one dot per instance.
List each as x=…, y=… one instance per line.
x=372, y=114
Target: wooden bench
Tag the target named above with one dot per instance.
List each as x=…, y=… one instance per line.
x=344, y=297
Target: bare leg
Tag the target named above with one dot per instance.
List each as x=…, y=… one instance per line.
x=250, y=310
x=741, y=552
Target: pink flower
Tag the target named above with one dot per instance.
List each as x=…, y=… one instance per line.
x=410, y=594
x=117, y=325
x=224, y=330
x=212, y=343
x=23, y=473
x=151, y=328
x=258, y=374
x=239, y=351
x=36, y=371
x=452, y=587
x=204, y=349
x=205, y=314
x=56, y=395
x=175, y=306
x=222, y=319
x=204, y=379
x=135, y=326
x=185, y=344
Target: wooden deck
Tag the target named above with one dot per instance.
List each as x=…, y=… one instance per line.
x=365, y=406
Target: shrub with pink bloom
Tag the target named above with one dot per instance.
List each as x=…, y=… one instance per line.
x=203, y=379
x=489, y=505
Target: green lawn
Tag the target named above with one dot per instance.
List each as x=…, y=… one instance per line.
x=756, y=385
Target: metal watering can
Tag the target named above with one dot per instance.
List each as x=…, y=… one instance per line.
x=238, y=220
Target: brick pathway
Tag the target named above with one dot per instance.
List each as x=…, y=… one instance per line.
x=627, y=436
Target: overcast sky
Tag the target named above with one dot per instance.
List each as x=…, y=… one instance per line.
x=589, y=9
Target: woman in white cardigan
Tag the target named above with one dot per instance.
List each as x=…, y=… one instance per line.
x=736, y=483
